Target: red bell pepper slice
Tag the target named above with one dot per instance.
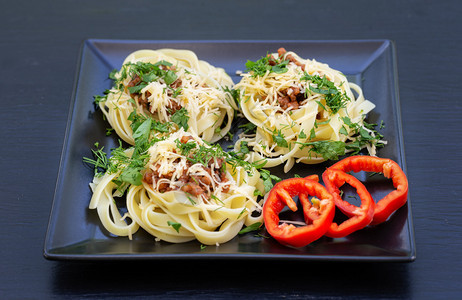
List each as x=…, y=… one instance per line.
x=318, y=216
x=313, y=177
x=361, y=216
x=390, y=169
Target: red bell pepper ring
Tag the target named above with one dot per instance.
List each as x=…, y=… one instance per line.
x=318, y=215
x=361, y=216
x=390, y=169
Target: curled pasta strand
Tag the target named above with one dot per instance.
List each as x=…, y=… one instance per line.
x=202, y=92
x=284, y=131
x=103, y=201
x=174, y=215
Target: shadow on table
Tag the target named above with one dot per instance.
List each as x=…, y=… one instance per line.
x=232, y=278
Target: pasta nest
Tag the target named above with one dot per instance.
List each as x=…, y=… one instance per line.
x=198, y=87
x=229, y=200
x=284, y=106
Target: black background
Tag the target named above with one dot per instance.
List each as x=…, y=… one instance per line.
x=40, y=43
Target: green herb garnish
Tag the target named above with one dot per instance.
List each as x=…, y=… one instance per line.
x=335, y=99
x=181, y=118
x=268, y=179
x=175, y=225
x=279, y=139
x=146, y=72
x=261, y=66
x=329, y=150
x=248, y=127
x=100, y=161
x=250, y=228
x=362, y=135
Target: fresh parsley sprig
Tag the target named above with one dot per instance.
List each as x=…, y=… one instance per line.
x=335, y=99
x=130, y=166
x=363, y=134
x=279, y=139
x=146, y=72
x=266, y=64
x=329, y=150
x=175, y=225
x=268, y=179
x=181, y=118
x=138, y=119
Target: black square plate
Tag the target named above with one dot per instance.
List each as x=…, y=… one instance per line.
x=75, y=232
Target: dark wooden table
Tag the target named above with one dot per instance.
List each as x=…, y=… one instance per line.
x=40, y=43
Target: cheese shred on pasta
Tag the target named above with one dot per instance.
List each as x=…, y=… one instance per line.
x=188, y=192
x=173, y=87
x=304, y=111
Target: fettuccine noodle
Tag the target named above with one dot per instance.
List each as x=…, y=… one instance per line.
x=185, y=82
x=283, y=106
x=182, y=199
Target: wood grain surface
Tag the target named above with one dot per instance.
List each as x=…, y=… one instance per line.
x=40, y=43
